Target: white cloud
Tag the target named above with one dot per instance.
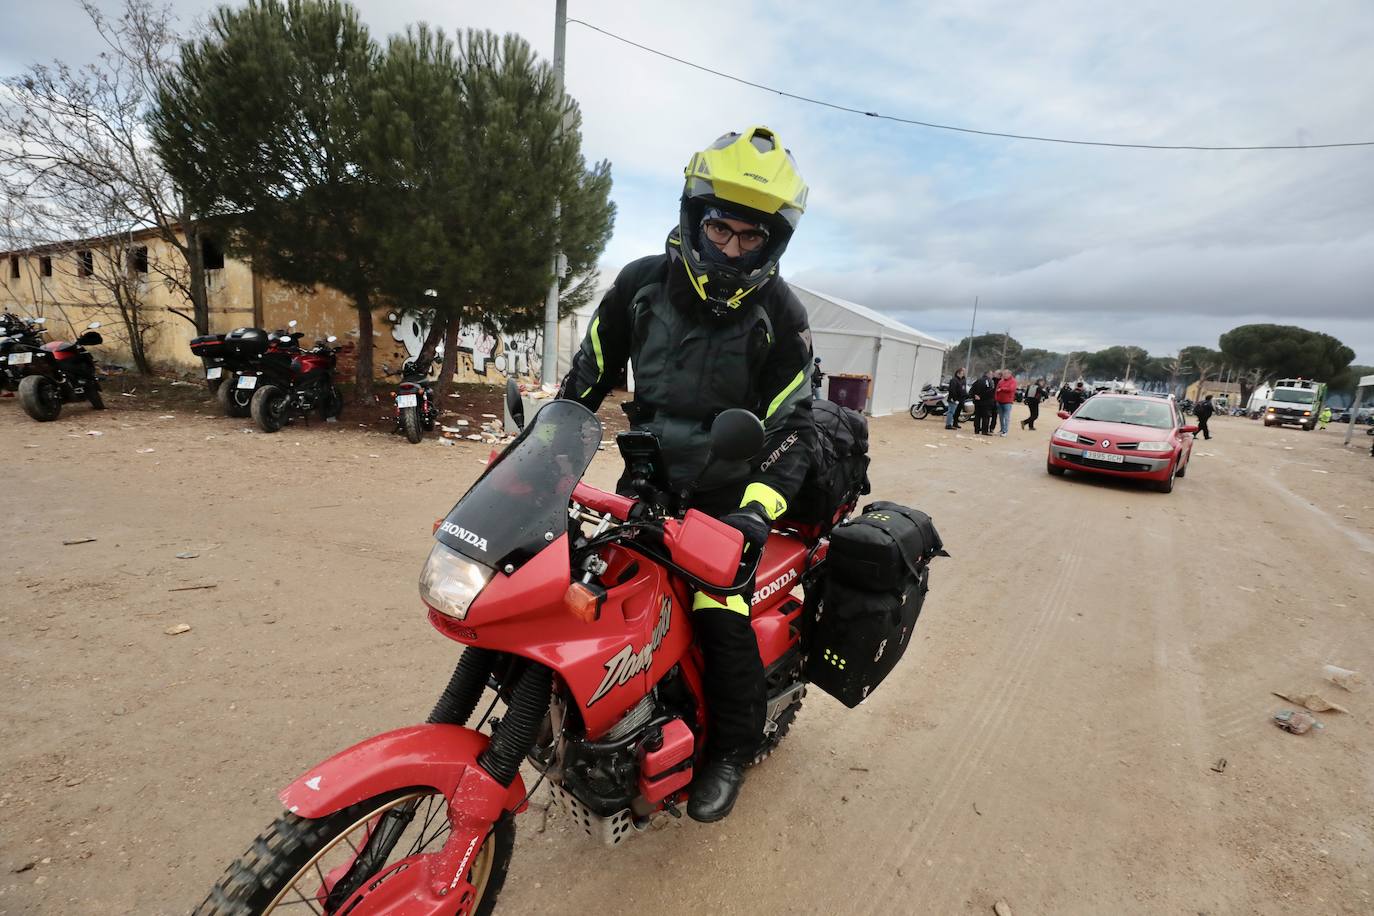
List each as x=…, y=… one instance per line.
x=1069, y=246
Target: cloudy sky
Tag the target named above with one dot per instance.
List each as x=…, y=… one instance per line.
x=1065, y=246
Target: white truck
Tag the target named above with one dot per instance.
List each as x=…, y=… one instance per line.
x=1296, y=402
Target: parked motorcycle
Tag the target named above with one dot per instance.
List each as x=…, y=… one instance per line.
x=935, y=401
x=20, y=338
x=306, y=387
x=415, y=406
x=242, y=352
x=572, y=603
x=59, y=373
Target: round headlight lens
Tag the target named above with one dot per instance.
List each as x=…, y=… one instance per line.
x=450, y=582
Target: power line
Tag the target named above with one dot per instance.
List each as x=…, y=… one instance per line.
x=962, y=130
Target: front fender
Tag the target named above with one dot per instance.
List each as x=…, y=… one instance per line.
x=440, y=756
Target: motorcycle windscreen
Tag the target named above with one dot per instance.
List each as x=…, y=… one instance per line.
x=520, y=504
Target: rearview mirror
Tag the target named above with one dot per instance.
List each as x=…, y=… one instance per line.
x=93, y=325
x=515, y=406
x=38, y=320
x=736, y=435
x=330, y=339
x=1063, y=414
x=1188, y=429
x=291, y=323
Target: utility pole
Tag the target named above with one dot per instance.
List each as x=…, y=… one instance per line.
x=549, y=375
x=968, y=357
x=1002, y=363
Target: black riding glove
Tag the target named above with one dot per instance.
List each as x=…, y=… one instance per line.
x=752, y=522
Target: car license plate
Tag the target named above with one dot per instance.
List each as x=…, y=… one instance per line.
x=20, y=359
x=248, y=381
x=215, y=372
x=406, y=400
x=1105, y=456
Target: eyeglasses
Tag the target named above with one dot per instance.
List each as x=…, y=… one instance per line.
x=720, y=233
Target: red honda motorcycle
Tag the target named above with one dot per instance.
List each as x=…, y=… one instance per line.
x=573, y=604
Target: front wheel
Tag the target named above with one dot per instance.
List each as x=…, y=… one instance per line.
x=919, y=412
x=1054, y=470
x=410, y=423
x=1167, y=484
x=93, y=395
x=40, y=398
x=269, y=408
x=338, y=860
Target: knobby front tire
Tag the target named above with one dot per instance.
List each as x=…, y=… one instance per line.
x=283, y=865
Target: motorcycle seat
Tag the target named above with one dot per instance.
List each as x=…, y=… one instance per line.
x=59, y=346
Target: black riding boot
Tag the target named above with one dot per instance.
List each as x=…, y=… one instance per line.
x=736, y=704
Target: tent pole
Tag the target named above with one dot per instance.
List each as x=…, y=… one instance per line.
x=1354, y=413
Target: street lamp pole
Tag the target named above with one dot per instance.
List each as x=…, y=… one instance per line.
x=549, y=373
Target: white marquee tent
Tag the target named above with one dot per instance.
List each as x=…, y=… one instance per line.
x=849, y=338
x=856, y=340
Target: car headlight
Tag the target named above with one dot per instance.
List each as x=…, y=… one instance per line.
x=1271, y=410
x=1154, y=447
x=450, y=582
x=1064, y=435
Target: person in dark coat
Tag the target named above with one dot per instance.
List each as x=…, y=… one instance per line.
x=983, y=393
x=958, y=393
x=1035, y=393
x=1204, y=413
x=1075, y=398
x=1064, y=396
x=817, y=377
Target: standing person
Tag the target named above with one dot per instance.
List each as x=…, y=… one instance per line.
x=1074, y=398
x=958, y=393
x=1064, y=392
x=1006, y=399
x=708, y=324
x=1035, y=393
x=982, y=392
x=1204, y=413
x=817, y=376
x=1324, y=417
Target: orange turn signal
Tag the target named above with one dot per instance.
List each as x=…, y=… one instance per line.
x=582, y=602
x=437, y=523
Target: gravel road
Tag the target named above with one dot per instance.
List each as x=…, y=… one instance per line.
x=1087, y=658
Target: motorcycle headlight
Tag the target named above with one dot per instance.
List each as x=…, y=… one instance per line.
x=1064, y=435
x=450, y=582
x=1154, y=447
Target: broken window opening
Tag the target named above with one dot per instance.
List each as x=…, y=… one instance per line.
x=45, y=266
x=211, y=255
x=85, y=263
x=138, y=260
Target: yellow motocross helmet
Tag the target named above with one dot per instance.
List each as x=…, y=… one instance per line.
x=750, y=176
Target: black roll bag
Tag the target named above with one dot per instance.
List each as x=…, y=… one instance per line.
x=865, y=606
x=838, y=472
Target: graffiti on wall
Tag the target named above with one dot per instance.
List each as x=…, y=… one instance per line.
x=487, y=356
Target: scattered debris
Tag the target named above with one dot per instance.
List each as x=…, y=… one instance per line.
x=126, y=394
x=78, y=541
x=25, y=867
x=1002, y=908
x=1342, y=677
x=94, y=432
x=187, y=555
x=1313, y=701
x=167, y=416
x=976, y=811
x=442, y=441
x=192, y=588
x=928, y=445
x=178, y=629
x=1219, y=766
x=1299, y=722
x=144, y=451
x=1245, y=589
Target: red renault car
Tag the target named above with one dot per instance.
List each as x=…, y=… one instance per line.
x=1124, y=435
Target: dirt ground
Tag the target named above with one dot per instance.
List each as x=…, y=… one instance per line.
x=1086, y=661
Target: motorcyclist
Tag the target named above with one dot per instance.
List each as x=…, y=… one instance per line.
x=710, y=325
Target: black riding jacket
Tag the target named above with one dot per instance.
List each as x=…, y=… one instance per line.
x=688, y=367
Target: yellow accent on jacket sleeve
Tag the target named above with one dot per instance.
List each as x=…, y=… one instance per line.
x=782, y=395
x=765, y=496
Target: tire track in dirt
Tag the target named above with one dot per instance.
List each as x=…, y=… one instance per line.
x=1015, y=660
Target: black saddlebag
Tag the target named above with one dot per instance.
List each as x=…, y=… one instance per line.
x=861, y=613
